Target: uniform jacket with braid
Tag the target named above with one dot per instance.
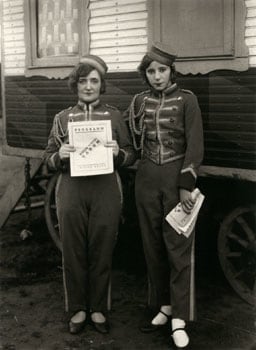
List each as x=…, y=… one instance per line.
x=167, y=126
x=81, y=112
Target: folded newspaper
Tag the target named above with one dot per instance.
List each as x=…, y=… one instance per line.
x=182, y=222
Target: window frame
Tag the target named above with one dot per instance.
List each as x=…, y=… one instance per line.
x=57, y=67
x=238, y=60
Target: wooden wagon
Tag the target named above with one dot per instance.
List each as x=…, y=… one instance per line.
x=215, y=40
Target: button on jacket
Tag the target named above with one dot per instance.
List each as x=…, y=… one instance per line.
x=168, y=126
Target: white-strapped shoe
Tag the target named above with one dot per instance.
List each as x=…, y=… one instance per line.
x=179, y=334
x=180, y=338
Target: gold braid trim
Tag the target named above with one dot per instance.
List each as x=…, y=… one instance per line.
x=58, y=132
x=132, y=116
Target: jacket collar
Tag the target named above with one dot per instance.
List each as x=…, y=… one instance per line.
x=88, y=106
x=169, y=90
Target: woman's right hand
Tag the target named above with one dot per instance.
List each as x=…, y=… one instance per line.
x=187, y=200
x=65, y=150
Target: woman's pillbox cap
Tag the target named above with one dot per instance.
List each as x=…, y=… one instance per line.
x=162, y=53
x=96, y=62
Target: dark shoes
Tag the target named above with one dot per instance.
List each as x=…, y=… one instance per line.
x=100, y=322
x=101, y=327
x=76, y=327
x=150, y=327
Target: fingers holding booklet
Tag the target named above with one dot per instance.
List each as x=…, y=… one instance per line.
x=91, y=157
x=183, y=222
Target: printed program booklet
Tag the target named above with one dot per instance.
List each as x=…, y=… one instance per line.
x=91, y=157
x=182, y=222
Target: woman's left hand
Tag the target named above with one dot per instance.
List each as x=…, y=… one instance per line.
x=186, y=200
x=114, y=146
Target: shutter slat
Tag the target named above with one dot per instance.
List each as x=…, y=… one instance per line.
x=120, y=50
x=119, y=9
x=119, y=34
x=118, y=18
x=111, y=3
x=118, y=26
x=117, y=42
x=122, y=58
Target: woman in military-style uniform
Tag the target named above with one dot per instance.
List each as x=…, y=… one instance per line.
x=88, y=207
x=165, y=122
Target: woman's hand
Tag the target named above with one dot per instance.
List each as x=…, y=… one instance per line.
x=65, y=150
x=114, y=146
x=186, y=200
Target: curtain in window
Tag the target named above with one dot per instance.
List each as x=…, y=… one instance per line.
x=58, y=30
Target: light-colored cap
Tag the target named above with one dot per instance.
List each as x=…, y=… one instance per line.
x=96, y=62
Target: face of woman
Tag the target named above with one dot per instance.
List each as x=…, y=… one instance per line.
x=88, y=88
x=158, y=75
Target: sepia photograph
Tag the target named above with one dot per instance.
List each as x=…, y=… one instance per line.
x=128, y=175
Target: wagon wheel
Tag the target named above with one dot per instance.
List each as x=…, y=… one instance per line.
x=50, y=211
x=237, y=251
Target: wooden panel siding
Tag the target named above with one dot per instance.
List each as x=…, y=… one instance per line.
x=30, y=107
x=229, y=124
x=118, y=32
x=250, y=31
x=227, y=100
x=13, y=37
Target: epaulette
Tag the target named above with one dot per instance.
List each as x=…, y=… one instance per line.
x=141, y=94
x=187, y=91
x=110, y=106
x=145, y=92
x=58, y=115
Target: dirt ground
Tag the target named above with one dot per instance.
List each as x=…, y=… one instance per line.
x=31, y=306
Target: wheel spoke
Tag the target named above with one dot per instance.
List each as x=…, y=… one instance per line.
x=234, y=237
x=234, y=255
x=238, y=273
x=236, y=241
x=248, y=231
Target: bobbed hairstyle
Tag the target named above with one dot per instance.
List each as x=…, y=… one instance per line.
x=82, y=70
x=146, y=61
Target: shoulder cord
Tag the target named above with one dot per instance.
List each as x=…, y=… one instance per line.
x=134, y=130
x=58, y=131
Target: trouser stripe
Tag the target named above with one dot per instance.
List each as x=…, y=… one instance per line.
x=63, y=263
x=192, y=283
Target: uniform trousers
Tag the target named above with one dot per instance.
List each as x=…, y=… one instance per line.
x=88, y=211
x=169, y=255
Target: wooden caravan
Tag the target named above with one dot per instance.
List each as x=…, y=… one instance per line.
x=216, y=45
